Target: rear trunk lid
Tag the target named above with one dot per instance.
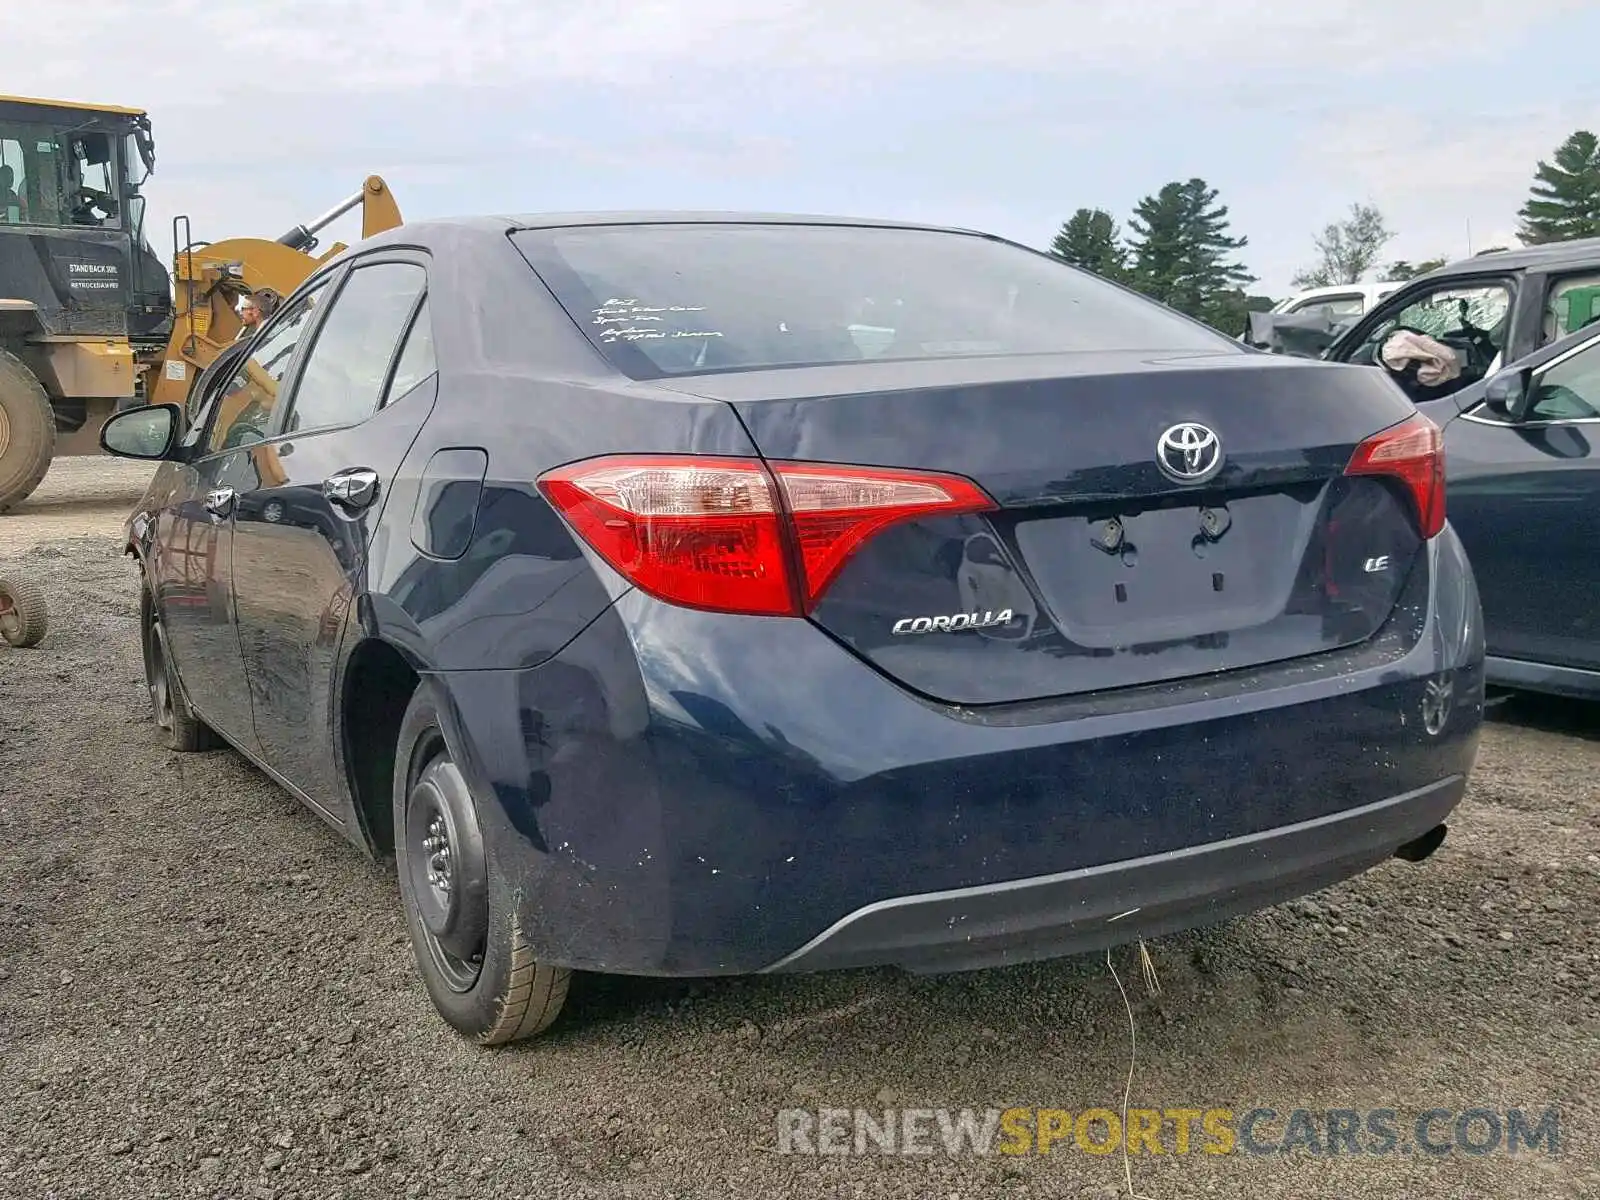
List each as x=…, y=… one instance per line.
x=1119, y=554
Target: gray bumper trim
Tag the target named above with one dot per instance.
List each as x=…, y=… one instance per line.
x=1542, y=677
x=1094, y=907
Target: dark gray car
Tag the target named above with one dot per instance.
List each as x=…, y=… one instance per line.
x=1517, y=302
x=1520, y=422
x=1522, y=456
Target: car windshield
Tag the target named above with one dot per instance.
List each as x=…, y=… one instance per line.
x=663, y=300
x=1446, y=313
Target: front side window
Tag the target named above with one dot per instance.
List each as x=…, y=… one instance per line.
x=1454, y=311
x=1570, y=390
x=246, y=403
x=92, y=181
x=1468, y=320
x=663, y=300
x=57, y=175
x=204, y=394
x=14, y=206
x=345, y=371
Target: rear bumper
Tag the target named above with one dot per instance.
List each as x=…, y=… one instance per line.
x=684, y=793
x=1078, y=911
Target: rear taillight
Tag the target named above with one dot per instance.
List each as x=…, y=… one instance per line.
x=701, y=532
x=1412, y=452
x=738, y=535
x=834, y=510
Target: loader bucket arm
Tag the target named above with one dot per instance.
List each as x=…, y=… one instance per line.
x=379, y=213
x=208, y=279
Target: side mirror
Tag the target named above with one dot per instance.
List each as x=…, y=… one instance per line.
x=149, y=432
x=1511, y=394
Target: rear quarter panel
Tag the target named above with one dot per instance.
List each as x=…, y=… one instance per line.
x=518, y=382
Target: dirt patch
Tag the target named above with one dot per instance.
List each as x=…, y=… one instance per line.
x=203, y=992
x=80, y=497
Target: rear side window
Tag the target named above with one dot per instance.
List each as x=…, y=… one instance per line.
x=416, y=359
x=345, y=372
x=1574, y=303
x=660, y=300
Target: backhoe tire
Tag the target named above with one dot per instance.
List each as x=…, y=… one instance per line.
x=23, y=615
x=27, y=431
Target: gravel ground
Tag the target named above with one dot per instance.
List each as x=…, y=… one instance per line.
x=204, y=993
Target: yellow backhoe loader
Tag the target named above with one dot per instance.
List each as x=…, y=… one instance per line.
x=90, y=319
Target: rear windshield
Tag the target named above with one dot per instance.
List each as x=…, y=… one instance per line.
x=660, y=300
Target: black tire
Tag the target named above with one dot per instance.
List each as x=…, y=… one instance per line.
x=23, y=615
x=183, y=731
x=479, y=970
x=27, y=431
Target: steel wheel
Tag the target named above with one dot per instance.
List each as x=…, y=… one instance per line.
x=444, y=859
x=185, y=732
x=465, y=919
x=158, y=678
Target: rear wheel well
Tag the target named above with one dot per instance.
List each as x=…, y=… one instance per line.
x=380, y=684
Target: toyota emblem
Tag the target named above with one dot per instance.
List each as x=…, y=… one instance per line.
x=1189, y=453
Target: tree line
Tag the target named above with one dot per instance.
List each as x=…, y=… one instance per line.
x=1179, y=247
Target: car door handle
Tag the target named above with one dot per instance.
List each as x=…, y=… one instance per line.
x=219, y=501
x=355, y=488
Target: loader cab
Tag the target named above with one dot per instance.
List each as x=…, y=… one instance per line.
x=72, y=236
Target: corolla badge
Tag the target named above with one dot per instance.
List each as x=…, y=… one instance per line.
x=1189, y=453
x=953, y=623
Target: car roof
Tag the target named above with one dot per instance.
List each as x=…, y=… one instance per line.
x=499, y=224
x=1360, y=286
x=700, y=217
x=1578, y=252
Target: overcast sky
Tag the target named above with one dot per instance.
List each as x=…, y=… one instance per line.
x=1004, y=115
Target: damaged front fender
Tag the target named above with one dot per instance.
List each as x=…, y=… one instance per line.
x=1303, y=335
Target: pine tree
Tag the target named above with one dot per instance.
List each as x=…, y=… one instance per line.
x=1182, y=252
x=1564, y=202
x=1091, y=240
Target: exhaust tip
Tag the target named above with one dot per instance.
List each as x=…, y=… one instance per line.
x=1420, y=848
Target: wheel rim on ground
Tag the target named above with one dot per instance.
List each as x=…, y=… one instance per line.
x=159, y=681
x=446, y=868
x=10, y=616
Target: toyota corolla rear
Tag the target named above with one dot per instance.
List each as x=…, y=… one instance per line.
x=1011, y=616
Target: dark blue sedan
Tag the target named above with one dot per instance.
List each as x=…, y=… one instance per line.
x=697, y=595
